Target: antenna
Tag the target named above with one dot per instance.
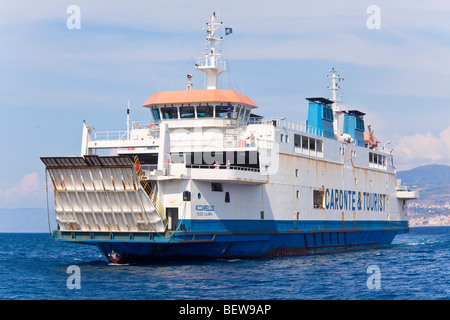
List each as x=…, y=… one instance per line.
x=211, y=64
x=338, y=109
x=128, y=121
x=334, y=87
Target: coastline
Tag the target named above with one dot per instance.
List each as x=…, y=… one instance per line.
x=434, y=220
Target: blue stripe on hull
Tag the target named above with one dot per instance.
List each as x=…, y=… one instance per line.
x=239, y=239
x=249, y=246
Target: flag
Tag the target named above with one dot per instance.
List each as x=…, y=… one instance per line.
x=228, y=31
x=341, y=79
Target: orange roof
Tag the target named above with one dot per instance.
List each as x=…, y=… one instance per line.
x=197, y=96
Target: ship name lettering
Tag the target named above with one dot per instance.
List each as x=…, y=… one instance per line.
x=336, y=199
x=204, y=207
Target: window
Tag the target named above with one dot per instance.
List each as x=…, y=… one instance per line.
x=262, y=215
x=187, y=112
x=296, y=173
x=242, y=114
x=284, y=138
x=307, y=145
x=247, y=114
x=304, y=142
x=327, y=114
x=312, y=144
x=227, y=197
x=169, y=113
x=319, y=145
x=186, y=195
x=298, y=194
x=297, y=141
x=359, y=124
x=377, y=161
x=205, y=112
x=216, y=186
x=318, y=198
x=155, y=113
x=235, y=114
x=224, y=111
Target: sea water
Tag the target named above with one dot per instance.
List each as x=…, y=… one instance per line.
x=415, y=266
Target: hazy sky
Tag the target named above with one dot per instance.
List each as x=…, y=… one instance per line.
x=52, y=77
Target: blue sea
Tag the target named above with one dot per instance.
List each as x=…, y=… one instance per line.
x=414, y=267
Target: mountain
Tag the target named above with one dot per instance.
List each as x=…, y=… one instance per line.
x=429, y=175
x=433, y=183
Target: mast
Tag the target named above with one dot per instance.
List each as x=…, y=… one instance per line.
x=128, y=121
x=334, y=87
x=211, y=64
x=338, y=109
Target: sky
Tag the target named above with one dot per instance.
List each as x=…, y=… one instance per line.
x=395, y=62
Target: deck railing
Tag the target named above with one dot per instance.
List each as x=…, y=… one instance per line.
x=110, y=135
x=286, y=124
x=221, y=166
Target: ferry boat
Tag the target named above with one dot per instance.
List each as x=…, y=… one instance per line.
x=208, y=178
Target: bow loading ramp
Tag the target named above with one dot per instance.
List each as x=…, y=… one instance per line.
x=95, y=193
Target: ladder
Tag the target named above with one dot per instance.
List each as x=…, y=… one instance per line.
x=148, y=189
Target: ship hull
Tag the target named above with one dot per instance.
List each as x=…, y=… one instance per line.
x=147, y=247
